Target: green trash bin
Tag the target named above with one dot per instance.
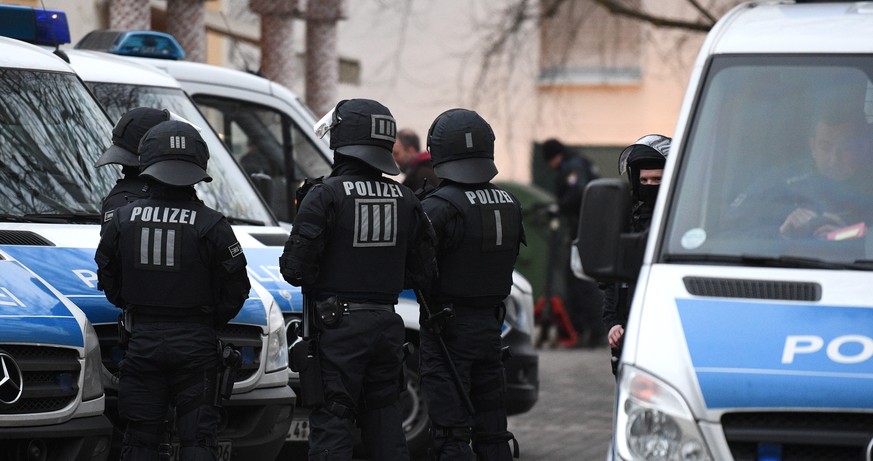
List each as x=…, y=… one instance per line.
x=532, y=260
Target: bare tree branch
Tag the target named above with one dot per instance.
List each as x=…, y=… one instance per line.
x=709, y=16
x=617, y=8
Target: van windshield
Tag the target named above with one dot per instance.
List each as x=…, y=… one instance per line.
x=51, y=133
x=778, y=162
x=229, y=191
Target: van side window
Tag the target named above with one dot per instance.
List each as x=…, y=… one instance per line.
x=272, y=150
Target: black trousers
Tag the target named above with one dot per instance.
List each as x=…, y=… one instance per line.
x=362, y=373
x=474, y=347
x=169, y=364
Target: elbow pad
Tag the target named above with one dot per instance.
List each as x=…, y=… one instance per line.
x=298, y=263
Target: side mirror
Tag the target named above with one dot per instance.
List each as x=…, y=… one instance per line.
x=607, y=250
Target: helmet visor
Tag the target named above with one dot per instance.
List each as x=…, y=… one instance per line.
x=657, y=142
x=323, y=126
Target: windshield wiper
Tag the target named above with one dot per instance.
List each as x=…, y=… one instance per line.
x=14, y=218
x=768, y=261
x=63, y=217
x=236, y=220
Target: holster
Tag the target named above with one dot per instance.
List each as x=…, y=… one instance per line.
x=123, y=329
x=305, y=361
x=229, y=362
x=329, y=313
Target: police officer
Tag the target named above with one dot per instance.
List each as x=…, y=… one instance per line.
x=126, y=135
x=177, y=270
x=583, y=298
x=643, y=164
x=479, y=232
x=358, y=239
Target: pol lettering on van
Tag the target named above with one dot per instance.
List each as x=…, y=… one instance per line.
x=760, y=360
x=862, y=346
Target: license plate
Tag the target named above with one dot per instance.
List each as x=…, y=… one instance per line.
x=223, y=451
x=299, y=431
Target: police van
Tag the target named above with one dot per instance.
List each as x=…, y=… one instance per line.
x=51, y=394
x=751, y=328
x=260, y=119
x=65, y=190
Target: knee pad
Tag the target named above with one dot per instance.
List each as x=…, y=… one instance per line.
x=339, y=410
x=482, y=439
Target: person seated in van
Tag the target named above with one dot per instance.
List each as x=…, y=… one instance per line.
x=126, y=135
x=830, y=202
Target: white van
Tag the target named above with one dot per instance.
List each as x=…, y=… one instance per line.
x=751, y=329
x=259, y=413
x=51, y=393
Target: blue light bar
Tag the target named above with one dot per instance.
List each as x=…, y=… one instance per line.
x=142, y=43
x=34, y=25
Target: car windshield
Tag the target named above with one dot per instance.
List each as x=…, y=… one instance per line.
x=51, y=133
x=229, y=191
x=777, y=164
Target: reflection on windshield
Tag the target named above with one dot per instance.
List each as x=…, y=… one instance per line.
x=51, y=132
x=779, y=161
x=229, y=191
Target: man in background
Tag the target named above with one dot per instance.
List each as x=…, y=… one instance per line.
x=583, y=298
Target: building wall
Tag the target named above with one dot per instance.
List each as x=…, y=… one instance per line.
x=421, y=57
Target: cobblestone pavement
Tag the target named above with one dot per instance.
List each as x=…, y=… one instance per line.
x=572, y=419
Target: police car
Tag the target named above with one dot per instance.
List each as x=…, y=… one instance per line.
x=66, y=190
x=252, y=113
x=746, y=341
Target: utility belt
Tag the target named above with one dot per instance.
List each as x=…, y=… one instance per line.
x=472, y=303
x=152, y=314
x=133, y=315
x=329, y=312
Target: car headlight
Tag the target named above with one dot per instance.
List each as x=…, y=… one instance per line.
x=517, y=317
x=277, y=344
x=92, y=385
x=654, y=422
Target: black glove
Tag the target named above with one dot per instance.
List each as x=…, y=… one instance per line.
x=442, y=322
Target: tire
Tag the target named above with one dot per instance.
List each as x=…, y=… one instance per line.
x=416, y=425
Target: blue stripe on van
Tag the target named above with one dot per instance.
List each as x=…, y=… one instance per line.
x=43, y=330
x=73, y=272
x=769, y=354
x=31, y=313
x=263, y=266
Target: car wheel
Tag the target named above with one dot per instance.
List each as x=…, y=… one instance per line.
x=416, y=424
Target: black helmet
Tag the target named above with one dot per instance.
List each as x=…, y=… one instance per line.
x=648, y=152
x=174, y=153
x=461, y=145
x=364, y=129
x=127, y=134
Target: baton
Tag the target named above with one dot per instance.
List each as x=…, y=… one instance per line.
x=454, y=371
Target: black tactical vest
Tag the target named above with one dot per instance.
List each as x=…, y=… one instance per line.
x=365, y=252
x=127, y=190
x=481, y=266
x=163, y=263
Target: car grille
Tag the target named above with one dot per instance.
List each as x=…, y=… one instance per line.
x=800, y=436
x=50, y=378
x=246, y=338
